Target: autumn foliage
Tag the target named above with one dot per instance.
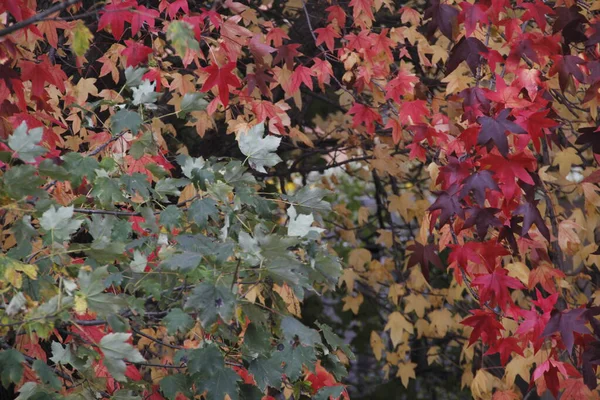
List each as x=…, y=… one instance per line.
x=299, y=199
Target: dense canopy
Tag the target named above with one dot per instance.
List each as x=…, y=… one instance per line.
x=265, y=199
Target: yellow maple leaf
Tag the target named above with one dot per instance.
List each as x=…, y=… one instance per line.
x=397, y=325
x=482, y=384
x=348, y=277
x=358, y=258
x=417, y=303
x=433, y=355
x=441, y=321
x=568, y=239
x=565, y=159
x=353, y=303
x=518, y=270
x=377, y=345
x=406, y=371
x=520, y=366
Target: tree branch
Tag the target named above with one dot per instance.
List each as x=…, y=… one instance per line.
x=37, y=17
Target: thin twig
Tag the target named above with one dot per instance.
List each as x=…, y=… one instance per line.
x=37, y=17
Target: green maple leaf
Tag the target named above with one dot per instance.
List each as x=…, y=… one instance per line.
x=177, y=320
x=210, y=300
x=116, y=350
x=259, y=151
x=125, y=120
x=220, y=383
x=267, y=372
x=181, y=36
x=192, y=102
x=25, y=142
x=11, y=368
x=59, y=222
x=46, y=374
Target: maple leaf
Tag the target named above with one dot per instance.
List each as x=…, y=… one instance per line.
x=361, y=7
x=478, y=183
x=507, y=95
x=575, y=389
x=276, y=35
x=136, y=53
x=403, y=83
x=471, y=14
x=323, y=71
x=286, y=53
x=475, y=103
x=461, y=255
x=301, y=75
x=469, y=50
x=115, y=15
x=363, y=114
x=41, y=73
x=482, y=219
x=336, y=13
x=443, y=16
x=549, y=369
x=222, y=78
x=544, y=274
x=505, y=172
x=485, y=326
x=536, y=124
x=537, y=11
x=569, y=22
x=567, y=67
x=327, y=35
x=494, y=287
x=494, y=130
x=424, y=255
x=143, y=16
x=174, y=7
x=566, y=323
x=532, y=326
x=505, y=346
x=413, y=112
x=505, y=395
x=589, y=135
x=531, y=215
x=449, y=203
x=455, y=171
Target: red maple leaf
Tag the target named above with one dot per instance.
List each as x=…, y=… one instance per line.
x=143, y=16
x=41, y=73
x=549, y=369
x=505, y=346
x=413, y=112
x=221, y=78
x=493, y=287
x=536, y=124
x=115, y=15
x=402, y=84
x=276, y=35
x=136, y=53
x=323, y=71
x=361, y=7
x=537, y=11
x=327, y=35
x=323, y=378
x=485, y=325
x=364, y=115
x=506, y=171
x=461, y=256
x=472, y=14
x=301, y=75
x=174, y=7
x=336, y=13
